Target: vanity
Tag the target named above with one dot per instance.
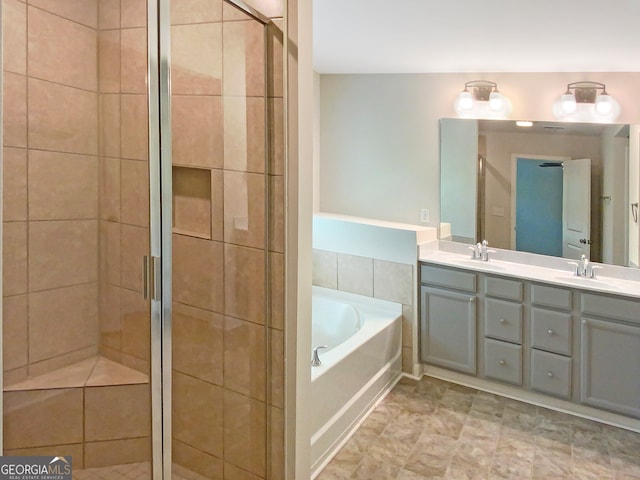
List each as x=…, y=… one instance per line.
x=527, y=326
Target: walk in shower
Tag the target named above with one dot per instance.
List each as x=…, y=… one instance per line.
x=143, y=237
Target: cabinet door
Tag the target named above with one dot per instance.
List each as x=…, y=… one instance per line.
x=610, y=377
x=448, y=329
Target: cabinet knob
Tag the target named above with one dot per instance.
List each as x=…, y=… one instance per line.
x=550, y=332
x=502, y=362
x=472, y=299
x=550, y=374
x=503, y=321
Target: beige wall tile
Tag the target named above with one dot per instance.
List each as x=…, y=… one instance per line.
x=14, y=258
x=75, y=450
x=136, y=240
x=217, y=205
x=136, y=324
x=62, y=186
x=14, y=184
x=355, y=274
x=108, y=14
x=275, y=112
x=61, y=50
x=14, y=97
x=197, y=342
x=325, y=269
x=197, y=130
x=197, y=273
x=110, y=253
x=276, y=276
x=407, y=326
x=244, y=208
x=117, y=452
x=14, y=36
x=109, y=61
x=407, y=360
x=63, y=119
x=244, y=287
x=245, y=358
x=276, y=213
x=199, y=462
x=198, y=414
x=11, y=377
x=109, y=188
x=62, y=253
x=196, y=59
x=109, y=125
x=243, y=58
x=231, y=472
x=245, y=432
x=26, y=412
x=54, y=364
x=134, y=193
x=81, y=11
x=134, y=127
x=270, y=8
x=277, y=367
x=116, y=412
x=134, y=60
x=230, y=13
x=393, y=281
x=62, y=321
x=14, y=332
x=244, y=134
x=195, y=11
x=134, y=13
x=109, y=320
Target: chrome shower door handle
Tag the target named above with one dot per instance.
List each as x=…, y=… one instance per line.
x=151, y=278
x=145, y=277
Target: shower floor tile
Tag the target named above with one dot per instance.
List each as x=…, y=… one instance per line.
x=432, y=429
x=132, y=471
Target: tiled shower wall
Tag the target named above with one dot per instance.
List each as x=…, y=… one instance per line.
x=228, y=243
x=50, y=197
x=371, y=277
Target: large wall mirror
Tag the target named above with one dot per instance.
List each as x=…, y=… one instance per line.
x=553, y=188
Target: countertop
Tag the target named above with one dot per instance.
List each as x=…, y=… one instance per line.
x=560, y=273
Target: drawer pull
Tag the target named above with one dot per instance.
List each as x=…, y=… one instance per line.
x=503, y=321
x=550, y=374
x=502, y=362
x=550, y=332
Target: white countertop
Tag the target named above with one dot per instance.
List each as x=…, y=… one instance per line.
x=559, y=272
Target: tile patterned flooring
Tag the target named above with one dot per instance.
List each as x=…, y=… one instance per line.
x=132, y=471
x=431, y=429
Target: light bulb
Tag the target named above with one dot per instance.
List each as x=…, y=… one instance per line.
x=465, y=100
x=604, y=105
x=496, y=101
x=568, y=103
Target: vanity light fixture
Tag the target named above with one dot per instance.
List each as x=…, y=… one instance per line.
x=586, y=102
x=481, y=99
x=524, y=123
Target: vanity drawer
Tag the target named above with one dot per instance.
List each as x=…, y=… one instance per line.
x=551, y=330
x=445, y=277
x=503, y=288
x=551, y=297
x=503, y=361
x=611, y=307
x=551, y=373
x=503, y=320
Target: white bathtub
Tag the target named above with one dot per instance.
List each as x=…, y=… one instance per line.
x=363, y=361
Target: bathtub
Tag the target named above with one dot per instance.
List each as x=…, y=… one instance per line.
x=363, y=361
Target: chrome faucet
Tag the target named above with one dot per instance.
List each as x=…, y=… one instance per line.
x=316, y=358
x=484, y=251
x=584, y=268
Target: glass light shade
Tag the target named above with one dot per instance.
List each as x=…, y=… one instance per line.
x=496, y=101
x=604, y=104
x=465, y=100
x=568, y=102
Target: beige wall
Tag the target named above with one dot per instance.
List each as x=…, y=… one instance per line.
x=379, y=149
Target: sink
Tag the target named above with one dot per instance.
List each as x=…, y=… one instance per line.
x=585, y=281
x=490, y=265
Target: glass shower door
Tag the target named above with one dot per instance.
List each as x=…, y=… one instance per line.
x=75, y=218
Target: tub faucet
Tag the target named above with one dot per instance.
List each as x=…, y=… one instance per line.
x=316, y=358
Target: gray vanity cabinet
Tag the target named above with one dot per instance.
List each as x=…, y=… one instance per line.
x=610, y=373
x=448, y=319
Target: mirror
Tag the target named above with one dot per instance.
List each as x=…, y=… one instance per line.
x=497, y=179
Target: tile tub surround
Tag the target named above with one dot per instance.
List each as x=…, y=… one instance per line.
x=371, y=277
x=430, y=429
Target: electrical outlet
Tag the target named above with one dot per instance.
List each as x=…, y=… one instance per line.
x=424, y=215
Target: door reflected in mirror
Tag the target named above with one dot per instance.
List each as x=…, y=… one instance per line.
x=554, y=188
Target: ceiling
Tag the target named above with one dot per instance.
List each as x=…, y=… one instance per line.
x=428, y=36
